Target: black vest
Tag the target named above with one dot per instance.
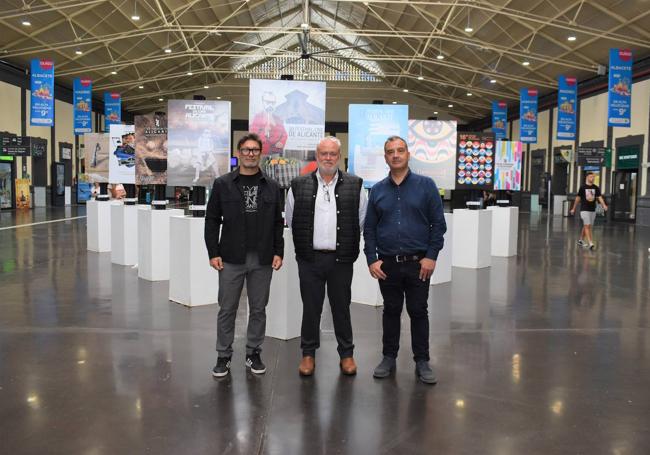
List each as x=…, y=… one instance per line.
x=346, y=195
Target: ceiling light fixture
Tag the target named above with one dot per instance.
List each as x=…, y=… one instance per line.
x=140, y=87
x=420, y=78
x=571, y=38
x=440, y=55
x=450, y=106
x=135, y=16
x=493, y=81
x=189, y=73
x=394, y=102
x=168, y=50
x=161, y=99
x=206, y=87
x=26, y=23
x=113, y=73
x=405, y=90
x=435, y=112
x=526, y=63
x=218, y=97
x=468, y=27
x=78, y=52
x=469, y=94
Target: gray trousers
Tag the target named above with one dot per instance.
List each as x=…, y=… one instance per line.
x=231, y=282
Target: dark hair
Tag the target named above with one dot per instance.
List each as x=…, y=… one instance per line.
x=396, y=138
x=249, y=137
x=588, y=173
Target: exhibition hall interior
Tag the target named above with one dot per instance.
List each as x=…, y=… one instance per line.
x=324, y=226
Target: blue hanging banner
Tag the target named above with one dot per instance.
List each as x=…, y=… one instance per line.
x=499, y=119
x=112, y=109
x=82, y=99
x=567, y=104
x=528, y=115
x=620, y=88
x=42, y=93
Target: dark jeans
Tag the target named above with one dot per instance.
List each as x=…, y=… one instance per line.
x=324, y=270
x=402, y=281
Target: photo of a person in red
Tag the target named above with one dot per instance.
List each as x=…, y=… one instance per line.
x=269, y=126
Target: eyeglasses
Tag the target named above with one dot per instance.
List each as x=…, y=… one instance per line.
x=247, y=151
x=327, y=193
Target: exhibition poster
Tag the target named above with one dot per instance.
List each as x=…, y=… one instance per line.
x=198, y=142
x=42, y=93
x=369, y=127
x=432, y=145
x=6, y=195
x=620, y=88
x=151, y=149
x=112, y=109
x=23, y=197
x=475, y=161
x=567, y=102
x=121, y=154
x=528, y=115
x=499, y=119
x=507, y=171
x=82, y=98
x=96, y=149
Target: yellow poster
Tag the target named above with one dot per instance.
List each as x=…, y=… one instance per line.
x=23, y=200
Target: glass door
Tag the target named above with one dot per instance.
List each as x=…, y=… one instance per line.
x=625, y=193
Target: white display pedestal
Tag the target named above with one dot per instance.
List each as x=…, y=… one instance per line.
x=505, y=231
x=192, y=282
x=284, y=311
x=98, y=226
x=67, y=196
x=534, y=204
x=39, y=196
x=124, y=234
x=153, y=243
x=442, y=273
x=471, y=238
x=365, y=289
x=558, y=203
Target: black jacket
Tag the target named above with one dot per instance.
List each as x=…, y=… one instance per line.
x=226, y=211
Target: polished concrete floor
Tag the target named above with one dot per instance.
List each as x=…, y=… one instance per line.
x=545, y=353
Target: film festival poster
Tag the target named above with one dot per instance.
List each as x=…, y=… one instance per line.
x=96, y=150
x=23, y=200
x=198, y=144
x=432, y=145
x=121, y=154
x=289, y=117
x=151, y=149
x=475, y=161
x=507, y=171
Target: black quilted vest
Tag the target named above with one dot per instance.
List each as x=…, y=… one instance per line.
x=346, y=195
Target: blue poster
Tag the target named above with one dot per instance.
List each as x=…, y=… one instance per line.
x=112, y=109
x=82, y=100
x=499, y=119
x=567, y=103
x=620, y=88
x=528, y=115
x=42, y=93
x=369, y=125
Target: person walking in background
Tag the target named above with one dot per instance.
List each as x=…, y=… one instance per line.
x=587, y=196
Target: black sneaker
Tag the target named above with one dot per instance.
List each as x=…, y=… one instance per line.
x=424, y=372
x=254, y=362
x=222, y=368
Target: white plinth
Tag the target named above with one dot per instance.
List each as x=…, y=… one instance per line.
x=68, y=196
x=98, y=234
x=505, y=231
x=192, y=282
x=39, y=196
x=534, y=204
x=558, y=203
x=365, y=289
x=471, y=238
x=284, y=311
x=153, y=243
x=124, y=234
x=442, y=273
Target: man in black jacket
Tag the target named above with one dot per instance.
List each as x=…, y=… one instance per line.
x=247, y=206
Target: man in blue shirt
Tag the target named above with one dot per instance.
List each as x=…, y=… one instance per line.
x=403, y=234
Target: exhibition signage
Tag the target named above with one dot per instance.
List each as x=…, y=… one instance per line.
x=507, y=174
x=65, y=151
x=499, y=119
x=96, y=148
x=16, y=146
x=42, y=93
x=22, y=193
x=627, y=157
x=39, y=147
x=590, y=156
x=121, y=166
x=151, y=149
x=112, y=109
x=369, y=126
x=528, y=115
x=567, y=102
x=620, y=88
x=432, y=145
x=475, y=161
x=82, y=100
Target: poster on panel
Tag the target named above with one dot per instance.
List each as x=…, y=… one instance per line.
x=528, y=115
x=151, y=149
x=567, y=105
x=23, y=196
x=198, y=144
x=369, y=127
x=112, y=109
x=475, y=161
x=6, y=193
x=42, y=93
x=432, y=145
x=121, y=168
x=499, y=119
x=507, y=171
x=619, y=99
x=82, y=98
x=96, y=150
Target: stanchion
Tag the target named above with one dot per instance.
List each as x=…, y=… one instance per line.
x=130, y=198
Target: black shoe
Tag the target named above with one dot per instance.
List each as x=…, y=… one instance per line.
x=424, y=372
x=385, y=368
x=254, y=362
x=222, y=368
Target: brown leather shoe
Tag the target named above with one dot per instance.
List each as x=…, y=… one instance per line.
x=307, y=366
x=348, y=367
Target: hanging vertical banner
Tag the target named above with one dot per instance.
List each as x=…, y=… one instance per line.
x=528, y=115
x=499, y=119
x=112, y=109
x=620, y=87
x=82, y=99
x=42, y=93
x=567, y=102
